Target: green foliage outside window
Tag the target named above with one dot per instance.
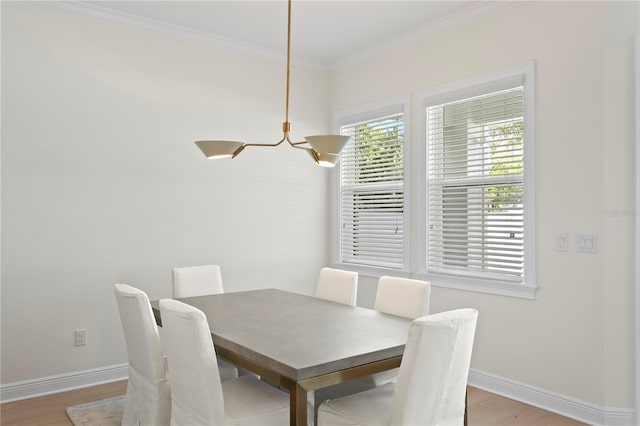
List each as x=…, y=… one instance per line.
x=506, y=158
x=379, y=151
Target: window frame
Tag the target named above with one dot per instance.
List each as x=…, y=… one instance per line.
x=467, y=88
x=415, y=184
x=366, y=112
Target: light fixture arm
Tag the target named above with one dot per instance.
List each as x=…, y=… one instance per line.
x=325, y=150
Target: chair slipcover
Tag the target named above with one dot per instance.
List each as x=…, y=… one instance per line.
x=340, y=286
x=397, y=296
x=190, y=281
x=198, y=395
x=403, y=297
x=431, y=384
x=148, y=399
x=337, y=285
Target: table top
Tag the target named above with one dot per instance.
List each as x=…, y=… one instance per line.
x=300, y=336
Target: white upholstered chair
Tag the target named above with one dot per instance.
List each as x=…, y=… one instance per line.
x=198, y=395
x=148, y=399
x=189, y=281
x=403, y=297
x=432, y=381
x=337, y=285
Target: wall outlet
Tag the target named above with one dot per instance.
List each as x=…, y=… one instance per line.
x=81, y=337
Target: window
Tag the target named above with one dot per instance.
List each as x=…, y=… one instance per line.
x=477, y=191
x=371, y=188
x=475, y=186
x=473, y=194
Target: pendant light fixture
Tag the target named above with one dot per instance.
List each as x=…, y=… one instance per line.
x=324, y=149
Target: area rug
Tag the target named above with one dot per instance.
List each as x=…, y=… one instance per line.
x=106, y=412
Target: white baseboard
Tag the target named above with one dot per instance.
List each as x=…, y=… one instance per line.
x=63, y=382
x=551, y=401
x=557, y=403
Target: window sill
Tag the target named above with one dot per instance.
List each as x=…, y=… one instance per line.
x=499, y=288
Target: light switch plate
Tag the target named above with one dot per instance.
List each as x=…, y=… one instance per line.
x=586, y=243
x=562, y=242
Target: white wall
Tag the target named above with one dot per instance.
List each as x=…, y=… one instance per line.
x=576, y=338
x=101, y=181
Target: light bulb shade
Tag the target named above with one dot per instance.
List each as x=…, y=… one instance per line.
x=219, y=149
x=324, y=160
x=328, y=144
x=327, y=160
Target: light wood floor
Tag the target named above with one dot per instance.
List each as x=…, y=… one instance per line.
x=485, y=409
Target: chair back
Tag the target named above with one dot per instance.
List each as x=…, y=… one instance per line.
x=338, y=285
x=148, y=400
x=403, y=297
x=192, y=281
x=432, y=380
x=195, y=379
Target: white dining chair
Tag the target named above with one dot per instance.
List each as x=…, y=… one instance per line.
x=199, y=397
x=432, y=381
x=404, y=297
x=189, y=281
x=148, y=398
x=337, y=285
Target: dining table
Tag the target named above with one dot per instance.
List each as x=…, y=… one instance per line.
x=298, y=342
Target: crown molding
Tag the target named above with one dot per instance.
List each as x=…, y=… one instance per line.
x=472, y=13
x=92, y=10
x=469, y=15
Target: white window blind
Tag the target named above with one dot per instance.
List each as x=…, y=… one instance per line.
x=372, y=193
x=475, y=188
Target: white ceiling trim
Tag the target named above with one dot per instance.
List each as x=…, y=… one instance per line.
x=110, y=16
x=431, y=29
x=467, y=16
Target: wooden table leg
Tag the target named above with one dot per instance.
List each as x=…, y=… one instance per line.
x=298, y=406
x=292, y=407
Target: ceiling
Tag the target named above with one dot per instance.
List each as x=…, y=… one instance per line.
x=324, y=32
